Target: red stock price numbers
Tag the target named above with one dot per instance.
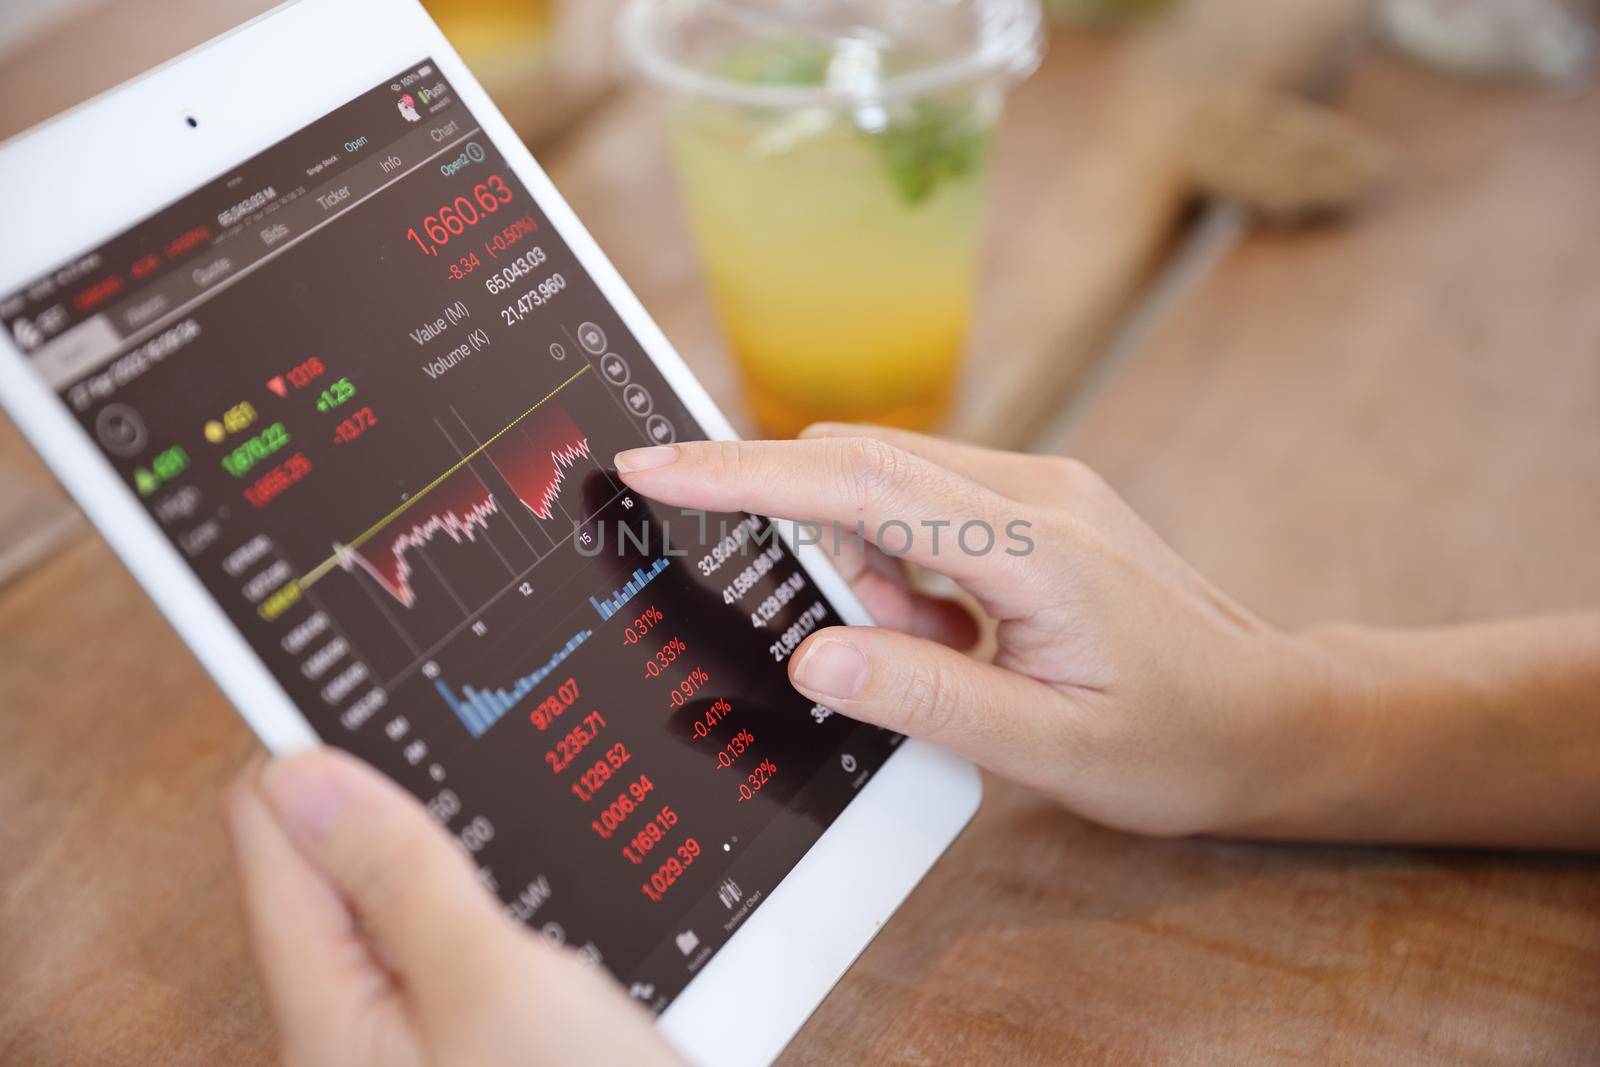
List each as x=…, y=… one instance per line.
x=647, y=620
x=702, y=727
x=358, y=423
x=753, y=783
x=697, y=680
x=594, y=777
x=671, y=649
x=271, y=485
x=729, y=754
x=305, y=373
x=667, y=875
x=624, y=804
x=650, y=835
x=551, y=707
x=577, y=739
x=461, y=214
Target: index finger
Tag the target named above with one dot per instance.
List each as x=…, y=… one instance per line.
x=905, y=504
x=1023, y=476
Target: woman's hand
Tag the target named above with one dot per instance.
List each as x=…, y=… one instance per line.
x=380, y=947
x=1137, y=693
x=1125, y=684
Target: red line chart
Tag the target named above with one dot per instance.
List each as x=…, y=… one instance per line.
x=458, y=509
x=536, y=457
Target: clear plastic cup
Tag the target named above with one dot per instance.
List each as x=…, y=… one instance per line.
x=832, y=154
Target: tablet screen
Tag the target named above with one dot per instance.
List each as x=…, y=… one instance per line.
x=371, y=396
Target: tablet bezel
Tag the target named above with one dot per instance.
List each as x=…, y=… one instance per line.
x=92, y=173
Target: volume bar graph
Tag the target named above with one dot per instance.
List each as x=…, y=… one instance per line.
x=641, y=578
x=479, y=709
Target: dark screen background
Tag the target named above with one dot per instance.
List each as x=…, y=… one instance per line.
x=386, y=454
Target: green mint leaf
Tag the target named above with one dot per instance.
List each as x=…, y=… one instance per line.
x=925, y=143
x=932, y=143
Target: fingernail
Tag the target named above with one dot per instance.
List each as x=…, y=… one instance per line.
x=644, y=459
x=832, y=669
x=302, y=795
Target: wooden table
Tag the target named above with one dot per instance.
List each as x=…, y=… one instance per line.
x=1397, y=422
x=1393, y=422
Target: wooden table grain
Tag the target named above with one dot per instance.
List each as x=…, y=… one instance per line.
x=1392, y=422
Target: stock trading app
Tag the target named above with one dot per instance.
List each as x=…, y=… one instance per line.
x=371, y=396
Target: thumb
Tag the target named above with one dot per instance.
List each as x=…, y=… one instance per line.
x=412, y=889
x=1002, y=720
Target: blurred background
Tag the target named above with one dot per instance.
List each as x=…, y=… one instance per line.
x=957, y=222
x=944, y=221
x=1311, y=282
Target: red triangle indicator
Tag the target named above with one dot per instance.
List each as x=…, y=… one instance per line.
x=277, y=386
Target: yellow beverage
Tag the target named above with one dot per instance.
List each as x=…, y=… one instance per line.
x=499, y=39
x=840, y=248
x=832, y=157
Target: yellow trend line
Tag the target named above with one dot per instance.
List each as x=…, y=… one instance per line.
x=321, y=569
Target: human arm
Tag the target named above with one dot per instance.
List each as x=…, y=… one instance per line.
x=1140, y=695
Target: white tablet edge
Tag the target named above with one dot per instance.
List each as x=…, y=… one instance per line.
x=250, y=89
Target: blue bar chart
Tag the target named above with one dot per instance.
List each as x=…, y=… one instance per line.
x=479, y=709
x=641, y=578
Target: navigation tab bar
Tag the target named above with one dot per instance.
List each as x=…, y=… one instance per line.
x=272, y=230
x=130, y=278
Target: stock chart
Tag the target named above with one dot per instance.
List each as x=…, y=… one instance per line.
x=370, y=395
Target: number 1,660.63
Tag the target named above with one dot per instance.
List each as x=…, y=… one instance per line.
x=455, y=218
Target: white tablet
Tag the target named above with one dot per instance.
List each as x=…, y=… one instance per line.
x=332, y=366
